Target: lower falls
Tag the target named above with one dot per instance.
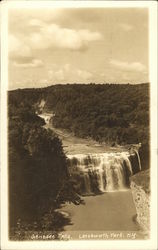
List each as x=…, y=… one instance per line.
x=103, y=172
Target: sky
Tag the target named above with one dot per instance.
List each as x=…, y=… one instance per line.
x=77, y=45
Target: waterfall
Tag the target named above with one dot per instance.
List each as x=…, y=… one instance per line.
x=139, y=162
x=87, y=183
x=46, y=116
x=102, y=172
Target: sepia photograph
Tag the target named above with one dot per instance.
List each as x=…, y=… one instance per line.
x=78, y=125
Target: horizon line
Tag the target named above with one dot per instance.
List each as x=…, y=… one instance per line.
x=92, y=83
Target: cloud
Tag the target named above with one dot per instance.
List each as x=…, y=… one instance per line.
x=21, y=18
x=125, y=26
x=52, y=35
x=21, y=53
x=56, y=75
x=35, y=23
x=66, y=72
x=84, y=75
x=34, y=63
x=133, y=66
x=18, y=48
x=41, y=35
x=59, y=75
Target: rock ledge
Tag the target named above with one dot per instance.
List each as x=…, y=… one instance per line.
x=140, y=186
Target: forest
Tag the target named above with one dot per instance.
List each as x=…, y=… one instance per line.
x=113, y=114
x=39, y=180
x=108, y=113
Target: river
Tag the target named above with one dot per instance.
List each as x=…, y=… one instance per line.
x=75, y=145
x=107, y=211
x=108, y=215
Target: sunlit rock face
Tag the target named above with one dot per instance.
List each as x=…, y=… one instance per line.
x=102, y=172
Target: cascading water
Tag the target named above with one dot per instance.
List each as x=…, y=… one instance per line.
x=102, y=172
x=139, y=162
x=47, y=117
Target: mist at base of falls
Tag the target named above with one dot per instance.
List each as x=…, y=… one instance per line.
x=103, y=172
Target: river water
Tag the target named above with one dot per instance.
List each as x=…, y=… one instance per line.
x=109, y=211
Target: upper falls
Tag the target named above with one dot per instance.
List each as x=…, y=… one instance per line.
x=103, y=172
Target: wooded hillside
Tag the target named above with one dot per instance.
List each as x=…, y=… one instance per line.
x=109, y=113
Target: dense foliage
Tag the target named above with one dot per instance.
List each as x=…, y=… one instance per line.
x=38, y=176
x=112, y=113
x=108, y=113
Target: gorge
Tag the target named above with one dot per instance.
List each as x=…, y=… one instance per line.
x=78, y=150
x=97, y=168
x=102, y=176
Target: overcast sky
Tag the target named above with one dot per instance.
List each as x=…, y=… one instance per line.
x=83, y=45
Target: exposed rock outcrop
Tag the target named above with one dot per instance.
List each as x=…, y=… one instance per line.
x=140, y=186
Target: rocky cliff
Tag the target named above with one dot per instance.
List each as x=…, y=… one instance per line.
x=140, y=186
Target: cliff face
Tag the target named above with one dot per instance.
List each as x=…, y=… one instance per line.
x=140, y=186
